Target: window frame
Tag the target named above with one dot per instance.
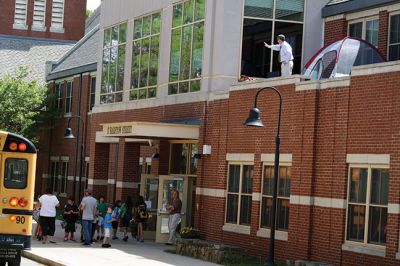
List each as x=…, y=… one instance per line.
x=38, y=25
x=59, y=93
x=271, y=164
x=192, y=24
x=188, y=161
x=239, y=193
x=397, y=13
x=64, y=177
x=367, y=203
x=68, y=97
x=6, y=171
x=364, y=27
x=92, y=92
x=57, y=26
x=54, y=175
x=21, y=23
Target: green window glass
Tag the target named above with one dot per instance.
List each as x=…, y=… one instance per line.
x=186, y=47
x=145, y=53
x=112, y=79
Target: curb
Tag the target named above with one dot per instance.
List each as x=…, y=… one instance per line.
x=39, y=259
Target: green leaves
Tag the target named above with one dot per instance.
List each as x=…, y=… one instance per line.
x=21, y=103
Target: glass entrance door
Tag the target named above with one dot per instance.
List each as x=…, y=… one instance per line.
x=166, y=184
x=149, y=191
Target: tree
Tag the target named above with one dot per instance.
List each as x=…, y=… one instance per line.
x=22, y=103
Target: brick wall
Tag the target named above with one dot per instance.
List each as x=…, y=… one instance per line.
x=334, y=30
x=74, y=20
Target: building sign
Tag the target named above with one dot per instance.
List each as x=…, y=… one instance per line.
x=117, y=130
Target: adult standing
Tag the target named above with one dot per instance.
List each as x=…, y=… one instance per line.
x=126, y=216
x=88, y=208
x=285, y=54
x=48, y=204
x=174, y=210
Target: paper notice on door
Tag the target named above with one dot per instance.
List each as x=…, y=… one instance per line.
x=148, y=204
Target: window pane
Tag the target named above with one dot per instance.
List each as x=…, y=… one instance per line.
x=247, y=179
x=173, y=88
x=186, y=52
x=153, y=93
x=137, y=28
x=289, y=10
x=16, y=173
x=122, y=33
x=188, y=12
x=199, y=10
x=379, y=186
x=232, y=208
x=371, y=32
x=394, y=29
x=394, y=52
x=144, y=62
x=155, y=42
x=258, y=8
x=121, y=68
x=142, y=94
x=107, y=37
x=195, y=85
x=105, y=71
x=234, y=178
x=179, y=157
x=268, y=179
x=133, y=95
x=266, y=212
x=136, y=47
x=283, y=214
x=193, y=160
x=156, y=23
x=284, y=182
x=175, y=55
x=177, y=16
x=114, y=35
x=355, y=30
x=358, y=184
x=245, y=210
x=377, y=225
x=113, y=69
x=146, y=26
x=356, y=223
x=184, y=87
x=197, y=53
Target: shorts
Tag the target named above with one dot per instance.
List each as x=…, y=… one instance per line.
x=125, y=222
x=107, y=232
x=114, y=224
x=101, y=219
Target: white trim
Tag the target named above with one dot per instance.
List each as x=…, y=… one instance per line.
x=122, y=184
x=83, y=178
x=54, y=158
x=373, y=69
x=260, y=83
x=240, y=157
x=44, y=176
x=362, y=15
x=211, y=192
x=56, y=29
x=41, y=28
x=234, y=228
x=270, y=157
x=64, y=158
x=365, y=249
x=98, y=182
x=148, y=160
x=111, y=181
x=266, y=233
x=256, y=196
x=394, y=208
x=330, y=203
x=335, y=83
x=368, y=158
x=308, y=85
x=62, y=195
x=87, y=159
x=333, y=18
x=70, y=178
x=20, y=26
x=219, y=96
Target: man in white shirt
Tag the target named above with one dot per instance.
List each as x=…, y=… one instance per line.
x=285, y=54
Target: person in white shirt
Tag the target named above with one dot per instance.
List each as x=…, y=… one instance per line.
x=285, y=54
x=48, y=204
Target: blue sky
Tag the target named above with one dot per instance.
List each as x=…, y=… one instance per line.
x=92, y=4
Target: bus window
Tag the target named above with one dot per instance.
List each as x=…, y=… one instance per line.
x=16, y=172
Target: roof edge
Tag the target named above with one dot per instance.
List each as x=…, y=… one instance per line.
x=354, y=5
x=72, y=71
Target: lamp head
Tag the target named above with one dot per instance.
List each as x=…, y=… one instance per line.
x=254, y=118
x=68, y=134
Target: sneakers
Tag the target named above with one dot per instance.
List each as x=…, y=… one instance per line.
x=114, y=237
x=66, y=239
x=105, y=245
x=125, y=238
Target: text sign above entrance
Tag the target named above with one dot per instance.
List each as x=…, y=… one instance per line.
x=119, y=130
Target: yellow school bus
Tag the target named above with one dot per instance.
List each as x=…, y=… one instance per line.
x=17, y=181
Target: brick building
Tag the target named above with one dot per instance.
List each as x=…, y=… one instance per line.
x=168, y=113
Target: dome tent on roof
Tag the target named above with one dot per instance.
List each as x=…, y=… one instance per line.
x=338, y=58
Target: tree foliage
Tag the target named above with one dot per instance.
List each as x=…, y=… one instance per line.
x=22, y=104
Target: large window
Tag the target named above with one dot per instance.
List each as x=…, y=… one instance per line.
x=283, y=200
x=112, y=80
x=20, y=13
x=186, y=47
x=16, y=173
x=54, y=176
x=394, y=38
x=57, y=15
x=58, y=94
x=183, y=159
x=39, y=15
x=367, y=204
x=263, y=21
x=68, y=98
x=92, y=92
x=145, y=51
x=64, y=177
x=366, y=29
x=240, y=189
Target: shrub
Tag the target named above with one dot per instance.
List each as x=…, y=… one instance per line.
x=189, y=232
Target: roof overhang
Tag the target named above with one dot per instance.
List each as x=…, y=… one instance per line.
x=148, y=130
x=352, y=6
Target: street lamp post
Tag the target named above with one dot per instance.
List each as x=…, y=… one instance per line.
x=68, y=135
x=255, y=121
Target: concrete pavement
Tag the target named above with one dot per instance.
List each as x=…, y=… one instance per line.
x=121, y=253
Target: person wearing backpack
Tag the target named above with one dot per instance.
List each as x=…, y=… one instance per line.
x=115, y=218
x=141, y=217
x=126, y=216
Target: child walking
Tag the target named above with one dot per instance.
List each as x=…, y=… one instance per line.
x=71, y=213
x=107, y=223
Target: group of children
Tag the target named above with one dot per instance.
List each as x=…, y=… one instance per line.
x=106, y=220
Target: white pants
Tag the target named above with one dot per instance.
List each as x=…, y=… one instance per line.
x=286, y=68
x=173, y=222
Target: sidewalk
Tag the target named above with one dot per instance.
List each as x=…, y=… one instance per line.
x=121, y=253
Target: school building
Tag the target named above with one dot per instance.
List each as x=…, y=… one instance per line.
x=162, y=106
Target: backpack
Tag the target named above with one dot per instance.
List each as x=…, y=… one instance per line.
x=143, y=214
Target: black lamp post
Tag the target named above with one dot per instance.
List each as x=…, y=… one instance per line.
x=255, y=121
x=68, y=135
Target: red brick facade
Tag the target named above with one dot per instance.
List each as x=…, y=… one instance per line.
x=74, y=20
x=335, y=30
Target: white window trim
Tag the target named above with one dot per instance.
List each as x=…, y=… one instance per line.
x=363, y=247
x=63, y=190
x=397, y=13
x=237, y=225
x=279, y=235
x=271, y=163
x=369, y=249
x=68, y=97
x=39, y=26
x=364, y=26
x=21, y=26
x=57, y=29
